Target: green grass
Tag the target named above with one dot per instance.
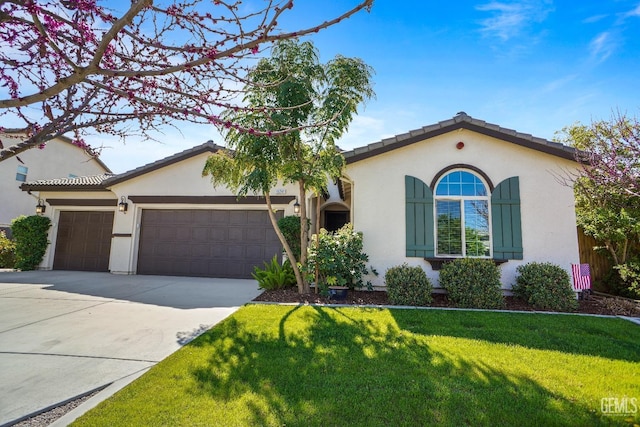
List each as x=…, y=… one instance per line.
x=317, y=366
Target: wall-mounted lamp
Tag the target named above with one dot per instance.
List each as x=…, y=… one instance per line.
x=123, y=205
x=296, y=207
x=40, y=207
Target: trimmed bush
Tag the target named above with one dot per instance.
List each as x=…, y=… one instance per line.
x=472, y=283
x=30, y=234
x=7, y=251
x=408, y=285
x=545, y=286
x=290, y=227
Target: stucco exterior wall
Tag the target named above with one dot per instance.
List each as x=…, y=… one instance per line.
x=547, y=206
x=58, y=159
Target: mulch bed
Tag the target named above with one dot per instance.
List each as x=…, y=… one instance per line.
x=593, y=305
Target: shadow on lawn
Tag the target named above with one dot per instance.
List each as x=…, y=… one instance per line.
x=615, y=339
x=330, y=366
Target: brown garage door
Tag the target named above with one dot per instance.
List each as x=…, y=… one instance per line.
x=205, y=243
x=84, y=241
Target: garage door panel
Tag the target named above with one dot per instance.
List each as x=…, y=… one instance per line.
x=236, y=234
x=219, y=234
x=220, y=217
x=83, y=241
x=200, y=251
x=255, y=252
x=214, y=243
x=255, y=234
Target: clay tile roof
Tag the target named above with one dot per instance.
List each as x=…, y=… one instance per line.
x=94, y=182
x=459, y=121
x=102, y=182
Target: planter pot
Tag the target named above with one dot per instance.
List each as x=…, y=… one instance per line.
x=338, y=293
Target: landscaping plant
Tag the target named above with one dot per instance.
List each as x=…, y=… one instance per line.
x=7, y=251
x=290, y=227
x=274, y=275
x=545, y=286
x=408, y=285
x=339, y=258
x=472, y=283
x=30, y=234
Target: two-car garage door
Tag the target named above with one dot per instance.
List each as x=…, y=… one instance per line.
x=205, y=243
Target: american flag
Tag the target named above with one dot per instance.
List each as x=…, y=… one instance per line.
x=581, y=276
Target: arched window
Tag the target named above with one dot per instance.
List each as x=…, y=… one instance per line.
x=461, y=210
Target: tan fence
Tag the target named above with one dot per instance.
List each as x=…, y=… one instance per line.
x=599, y=262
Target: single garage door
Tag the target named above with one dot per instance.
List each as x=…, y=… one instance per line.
x=205, y=243
x=84, y=241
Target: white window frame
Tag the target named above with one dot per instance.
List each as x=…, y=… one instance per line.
x=21, y=173
x=461, y=199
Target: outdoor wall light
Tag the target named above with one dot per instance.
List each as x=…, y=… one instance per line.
x=123, y=205
x=40, y=207
x=296, y=207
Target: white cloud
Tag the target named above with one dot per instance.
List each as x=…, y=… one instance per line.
x=634, y=12
x=510, y=20
x=602, y=46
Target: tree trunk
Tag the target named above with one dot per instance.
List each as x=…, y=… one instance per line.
x=304, y=233
x=292, y=259
x=317, y=238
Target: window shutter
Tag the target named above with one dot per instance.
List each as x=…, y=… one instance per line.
x=505, y=220
x=419, y=218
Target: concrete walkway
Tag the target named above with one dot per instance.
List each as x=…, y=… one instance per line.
x=64, y=333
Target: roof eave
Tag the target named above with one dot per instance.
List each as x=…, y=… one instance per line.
x=54, y=187
x=413, y=137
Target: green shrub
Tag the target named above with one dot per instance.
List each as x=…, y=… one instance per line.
x=545, y=286
x=338, y=257
x=274, y=275
x=630, y=276
x=408, y=285
x=290, y=227
x=7, y=251
x=472, y=283
x=30, y=235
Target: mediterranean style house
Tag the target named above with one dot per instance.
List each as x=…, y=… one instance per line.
x=459, y=188
x=58, y=158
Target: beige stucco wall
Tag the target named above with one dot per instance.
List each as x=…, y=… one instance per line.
x=57, y=160
x=547, y=206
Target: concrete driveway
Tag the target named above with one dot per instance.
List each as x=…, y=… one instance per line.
x=65, y=333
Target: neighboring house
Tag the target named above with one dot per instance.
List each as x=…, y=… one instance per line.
x=461, y=187
x=57, y=159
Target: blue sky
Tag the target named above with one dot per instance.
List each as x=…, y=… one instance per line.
x=533, y=66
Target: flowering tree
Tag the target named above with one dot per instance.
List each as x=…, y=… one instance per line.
x=71, y=66
x=611, y=153
x=607, y=190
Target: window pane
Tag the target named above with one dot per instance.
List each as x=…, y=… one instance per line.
x=449, y=227
x=460, y=183
x=476, y=216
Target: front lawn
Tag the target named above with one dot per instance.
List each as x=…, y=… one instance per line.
x=320, y=366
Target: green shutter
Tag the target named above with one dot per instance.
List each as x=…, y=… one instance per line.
x=505, y=220
x=419, y=218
